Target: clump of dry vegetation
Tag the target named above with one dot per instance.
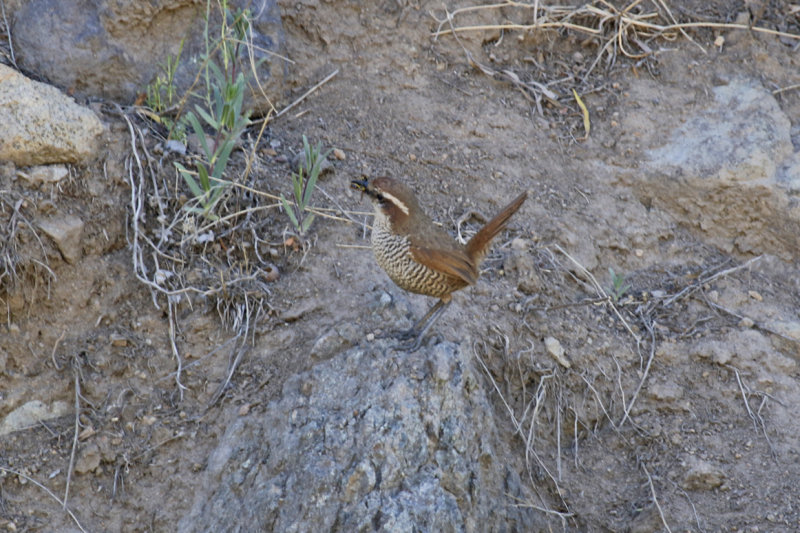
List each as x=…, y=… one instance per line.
x=636, y=32
x=199, y=216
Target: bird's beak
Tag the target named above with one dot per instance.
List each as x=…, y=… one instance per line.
x=360, y=185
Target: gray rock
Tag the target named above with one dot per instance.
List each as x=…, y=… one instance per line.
x=44, y=175
x=66, y=232
x=117, y=48
x=702, y=475
x=88, y=459
x=30, y=414
x=370, y=439
x=41, y=125
x=731, y=171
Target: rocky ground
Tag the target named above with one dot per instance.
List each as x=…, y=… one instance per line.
x=554, y=394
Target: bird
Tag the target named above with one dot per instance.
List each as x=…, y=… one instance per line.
x=420, y=256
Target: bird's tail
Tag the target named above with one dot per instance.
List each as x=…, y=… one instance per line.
x=478, y=245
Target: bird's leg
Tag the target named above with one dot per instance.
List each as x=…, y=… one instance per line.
x=419, y=330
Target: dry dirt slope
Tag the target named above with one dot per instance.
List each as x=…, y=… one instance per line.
x=710, y=442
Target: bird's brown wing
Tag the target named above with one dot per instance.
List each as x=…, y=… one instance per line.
x=451, y=262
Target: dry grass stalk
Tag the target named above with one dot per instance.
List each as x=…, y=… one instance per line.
x=628, y=31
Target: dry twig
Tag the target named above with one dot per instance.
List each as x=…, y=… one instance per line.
x=48, y=491
x=655, y=499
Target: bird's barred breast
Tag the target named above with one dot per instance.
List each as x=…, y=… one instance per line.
x=394, y=255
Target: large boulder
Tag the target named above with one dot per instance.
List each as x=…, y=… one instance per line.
x=731, y=171
x=42, y=125
x=371, y=439
x=111, y=49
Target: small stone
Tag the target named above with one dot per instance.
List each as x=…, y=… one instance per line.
x=555, y=349
x=702, y=476
x=386, y=299
x=118, y=340
x=271, y=273
x=88, y=459
x=86, y=433
x=66, y=231
x=244, y=409
x=339, y=154
x=175, y=146
x=44, y=175
x=666, y=392
x=755, y=296
x=746, y=323
x=30, y=414
x=327, y=345
x=412, y=157
x=370, y=337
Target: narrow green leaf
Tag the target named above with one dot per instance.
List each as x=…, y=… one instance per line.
x=297, y=182
x=187, y=177
x=222, y=159
x=207, y=117
x=198, y=131
x=307, y=223
x=311, y=182
x=290, y=212
x=203, y=173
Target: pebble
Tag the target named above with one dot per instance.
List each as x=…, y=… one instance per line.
x=44, y=175
x=88, y=459
x=339, y=154
x=175, y=146
x=702, y=476
x=66, y=231
x=271, y=273
x=557, y=351
x=118, y=340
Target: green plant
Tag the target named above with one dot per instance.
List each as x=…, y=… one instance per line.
x=161, y=92
x=221, y=112
x=618, y=286
x=303, y=187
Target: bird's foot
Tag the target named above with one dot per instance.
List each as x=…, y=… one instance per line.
x=412, y=340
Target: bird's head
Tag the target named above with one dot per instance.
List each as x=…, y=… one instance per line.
x=391, y=198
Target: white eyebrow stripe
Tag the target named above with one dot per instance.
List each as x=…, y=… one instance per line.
x=392, y=198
